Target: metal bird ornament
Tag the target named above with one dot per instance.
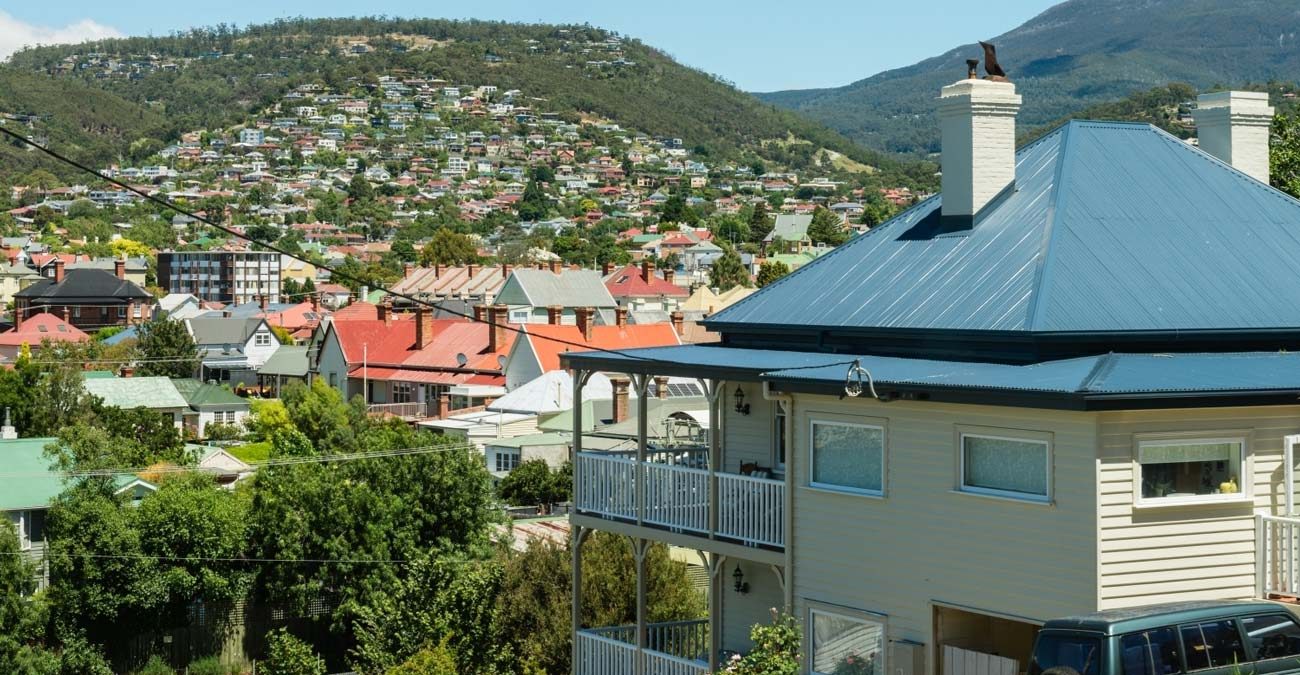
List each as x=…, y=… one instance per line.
x=991, y=65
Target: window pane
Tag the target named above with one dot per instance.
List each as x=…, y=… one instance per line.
x=1154, y=652
x=1215, y=644
x=1272, y=637
x=850, y=456
x=1190, y=468
x=844, y=645
x=1079, y=654
x=1004, y=464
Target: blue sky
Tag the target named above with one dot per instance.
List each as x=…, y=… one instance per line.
x=760, y=45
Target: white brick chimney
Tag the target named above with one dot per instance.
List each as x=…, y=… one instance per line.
x=977, y=119
x=1234, y=126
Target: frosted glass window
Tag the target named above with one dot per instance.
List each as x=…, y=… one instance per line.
x=1008, y=466
x=848, y=457
x=842, y=644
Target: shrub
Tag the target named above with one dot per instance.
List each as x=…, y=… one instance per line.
x=287, y=655
x=211, y=665
x=440, y=660
x=776, y=649
x=156, y=666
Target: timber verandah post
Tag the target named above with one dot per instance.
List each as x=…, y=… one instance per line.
x=577, y=533
x=712, y=391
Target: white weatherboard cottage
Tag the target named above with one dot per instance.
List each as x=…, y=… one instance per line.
x=1066, y=384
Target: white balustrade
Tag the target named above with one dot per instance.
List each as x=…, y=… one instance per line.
x=606, y=485
x=599, y=655
x=676, y=497
x=751, y=510
x=1277, y=554
x=664, y=664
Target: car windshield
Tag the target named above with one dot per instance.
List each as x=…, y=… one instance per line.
x=1065, y=655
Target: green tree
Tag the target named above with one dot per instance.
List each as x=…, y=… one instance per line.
x=320, y=413
x=18, y=633
x=1284, y=154
x=533, y=205
x=533, y=605
x=287, y=655
x=448, y=248
x=827, y=228
x=770, y=271
x=401, y=507
x=728, y=271
x=609, y=584
x=450, y=603
x=359, y=189
x=439, y=660
x=760, y=224
x=166, y=349
x=533, y=483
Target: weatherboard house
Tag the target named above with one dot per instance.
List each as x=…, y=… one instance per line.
x=1067, y=383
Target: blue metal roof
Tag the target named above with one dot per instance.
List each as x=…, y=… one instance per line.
x=1112, y=228
x=1100, y=376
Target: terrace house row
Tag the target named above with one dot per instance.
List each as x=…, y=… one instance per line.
x=1068, y=383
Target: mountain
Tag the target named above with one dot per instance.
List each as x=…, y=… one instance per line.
x=215, y=77
x=1075, y=54
x=86, y=122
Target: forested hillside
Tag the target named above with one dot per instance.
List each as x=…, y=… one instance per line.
x=87, y=122
x=214, y=77
x=1076, y=54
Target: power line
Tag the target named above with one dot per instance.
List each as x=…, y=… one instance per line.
x=296, y=256
x=53, y=550
x=341, y=274
x=270, y=463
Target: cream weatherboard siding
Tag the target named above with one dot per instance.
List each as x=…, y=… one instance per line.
x=746, y=438
x=741, y=611
x=924, y=542
x=1185, y=552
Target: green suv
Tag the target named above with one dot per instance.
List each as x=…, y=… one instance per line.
x=1215, y=638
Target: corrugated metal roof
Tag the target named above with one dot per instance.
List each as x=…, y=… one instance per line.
x=1112, y=228
x=1106, y=374
x=569, y=288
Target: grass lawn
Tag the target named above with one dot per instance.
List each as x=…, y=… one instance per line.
x=252, y=452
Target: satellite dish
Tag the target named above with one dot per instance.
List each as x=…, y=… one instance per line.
x=461, y=360
x=501, y=361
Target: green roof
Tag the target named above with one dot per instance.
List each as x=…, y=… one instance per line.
x=198, y=393
x=97, y=374
x=134, y=392
x=646, y=238
x=288, y=360
x=29, y=482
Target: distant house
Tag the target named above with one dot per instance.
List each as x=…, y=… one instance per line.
x=210, y=403
x=36, y=330
x=28, y=486
x=14, y=277
x=792, y=230
x=154, y=393
x=232, y=349
x=538, y=350
x=86, y=298
x=642, y=288
x=553, y=295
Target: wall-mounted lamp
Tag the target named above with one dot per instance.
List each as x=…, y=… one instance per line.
x=741, y=586
x=741, y=406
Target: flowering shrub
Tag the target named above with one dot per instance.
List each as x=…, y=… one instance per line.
x=776, y=649
x=853, y=664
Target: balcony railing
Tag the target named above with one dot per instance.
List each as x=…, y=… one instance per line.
x=1277, y=556
x=403, y=410
x=750, y=510
x=672, y=648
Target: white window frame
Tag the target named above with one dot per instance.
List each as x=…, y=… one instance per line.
x=262, y=339
x=846, y=614
x=22, y=525
x=508, y=458
x=1039, y=438
x=846, y=489
x=1244, y=492
x=780, y=422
